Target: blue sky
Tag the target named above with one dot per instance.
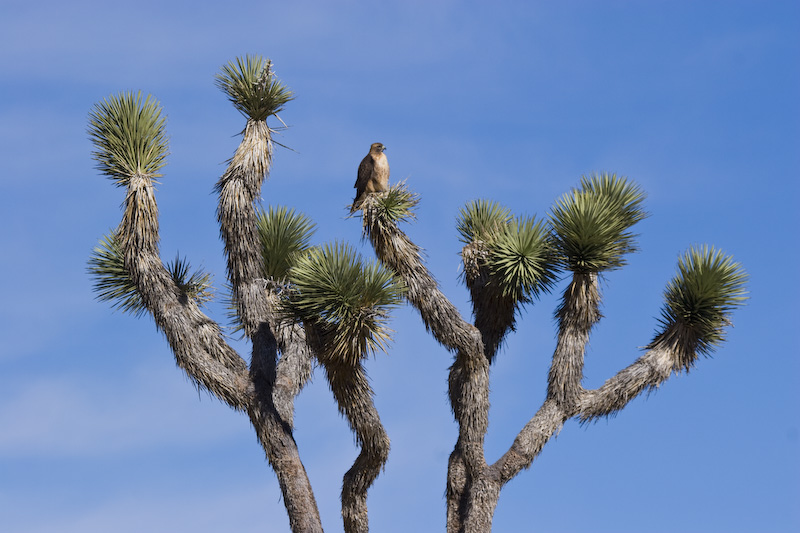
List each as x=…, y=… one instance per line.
x=514, y=101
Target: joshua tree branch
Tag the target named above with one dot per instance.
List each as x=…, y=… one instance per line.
x=201, y=351
x=577, y=314
x=195, y=339
x=646, y=373
x=494, y=317
x=238, y=189
x=457, y=493
x=469, y=374
x=494, y=312
x=530, y=441
x=353, y=394
x=293, y=370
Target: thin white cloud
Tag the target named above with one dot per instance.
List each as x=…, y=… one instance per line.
x=198, y=509
x=69, y=416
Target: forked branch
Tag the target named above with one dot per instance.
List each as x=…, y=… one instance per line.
x=131, y=148
x=469, y=375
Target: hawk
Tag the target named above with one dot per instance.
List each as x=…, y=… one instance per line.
x=373, y=175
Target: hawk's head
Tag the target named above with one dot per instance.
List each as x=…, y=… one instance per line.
x=377, y=148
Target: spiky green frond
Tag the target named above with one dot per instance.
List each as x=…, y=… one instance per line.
x=395, y=205
x=591, y=224
x=346, y=300
x=284, y=236
x=481, y=219
x=112, y=282
x=252, y=87
x=620, y=191
x=129, y=137
x=699, y=300
x=518, y=252
x=195, y=286
x=522, y=259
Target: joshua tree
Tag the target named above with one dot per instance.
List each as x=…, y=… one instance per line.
x=302, y=305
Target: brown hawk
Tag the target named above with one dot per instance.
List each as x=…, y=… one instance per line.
x=373, y=175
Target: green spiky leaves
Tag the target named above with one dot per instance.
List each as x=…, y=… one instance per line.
x=113, y=283
x=480, y=220
x=699, y=300
x=344, y=300
x=518, y=252
x=194, y=285
x=285, y=235
x=394, y=206
x=129, y=137
x=522, y=259
x=398, y=204
x=252, y=87
x=592, y=223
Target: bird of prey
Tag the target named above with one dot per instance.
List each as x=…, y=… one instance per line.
x=373, y=175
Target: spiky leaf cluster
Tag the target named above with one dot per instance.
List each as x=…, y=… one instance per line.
x=700, y=298
x=252, y=87
x=518, y=252
x=393, y=206
x=129, y=137
x=194, y=285
x=113, y=283
x=344, y=300
x=522, y=259
x=480, y=220
x=592, y=223
x=285, y=235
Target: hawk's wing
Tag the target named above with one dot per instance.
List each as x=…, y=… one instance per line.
x=364, y=174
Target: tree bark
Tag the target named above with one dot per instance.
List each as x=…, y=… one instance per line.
x=195, y=339
x=238, y=188
x=293, y=370
x=353, y=394
x=578, y=313
x=201, y=351
x=469, y=374
x=457, y=495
